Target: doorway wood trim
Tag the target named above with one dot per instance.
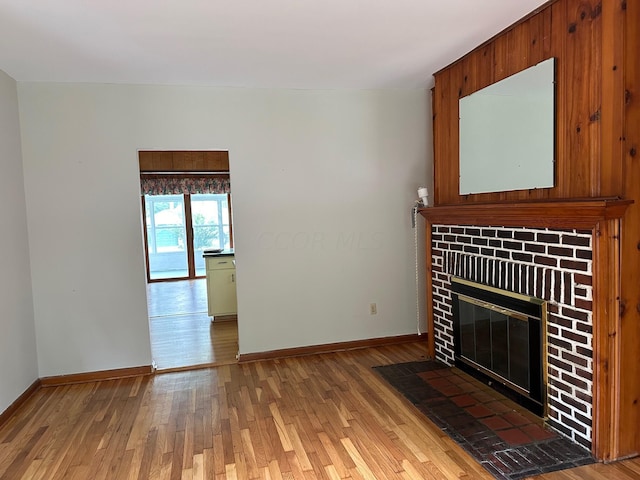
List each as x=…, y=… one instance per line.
x=161, y=161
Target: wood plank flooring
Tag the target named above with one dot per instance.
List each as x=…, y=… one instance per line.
x=177, y=297
x=624, y=470
x=182, y=334
x=316, y=417
x=193, y=339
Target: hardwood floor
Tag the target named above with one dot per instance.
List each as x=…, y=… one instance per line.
x=176, y=297
x=625, y=470
x=316, y=417
x=182, y=334
x=187, y=340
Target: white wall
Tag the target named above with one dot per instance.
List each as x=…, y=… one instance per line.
x=18, y=359
x=322, y=185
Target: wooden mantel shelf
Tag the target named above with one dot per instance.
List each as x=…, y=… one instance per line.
x=578, y=213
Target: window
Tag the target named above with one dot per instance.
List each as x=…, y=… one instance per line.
x=179, y=227
x=166, y=236
x=210, y=215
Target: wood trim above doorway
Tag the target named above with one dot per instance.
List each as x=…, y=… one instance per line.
x=183, y=161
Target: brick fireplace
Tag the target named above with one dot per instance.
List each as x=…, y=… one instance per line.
x=550, y=264
x=566, y=253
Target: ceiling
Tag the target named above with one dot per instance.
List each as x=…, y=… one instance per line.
x=246, y=43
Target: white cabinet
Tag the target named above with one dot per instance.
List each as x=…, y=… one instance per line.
x=221, y=285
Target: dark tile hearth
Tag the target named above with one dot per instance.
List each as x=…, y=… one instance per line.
x=508, y=441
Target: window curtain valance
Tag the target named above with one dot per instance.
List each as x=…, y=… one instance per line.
x=171, y=185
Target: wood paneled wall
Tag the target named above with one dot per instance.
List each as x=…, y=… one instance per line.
x=629, y=330
x=581, y=35
x=596, y=45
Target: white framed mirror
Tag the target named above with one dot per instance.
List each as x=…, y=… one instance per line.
x=507, y=133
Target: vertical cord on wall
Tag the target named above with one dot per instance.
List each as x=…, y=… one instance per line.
x=414, y=222
x=423, y=194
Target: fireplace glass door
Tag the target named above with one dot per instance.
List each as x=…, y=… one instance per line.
x=496, y=340
x=498, y=337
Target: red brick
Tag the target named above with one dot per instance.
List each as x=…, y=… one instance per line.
x=515, y=419
x=514, y=437
x=464, y=400
x=538, y=433
x=496, y=423
x=479, y=411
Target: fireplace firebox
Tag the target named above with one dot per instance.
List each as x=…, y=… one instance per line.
x=499, y=339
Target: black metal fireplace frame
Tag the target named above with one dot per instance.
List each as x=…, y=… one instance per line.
x=535, y=311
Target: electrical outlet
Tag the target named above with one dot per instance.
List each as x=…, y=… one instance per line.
x=373, y=309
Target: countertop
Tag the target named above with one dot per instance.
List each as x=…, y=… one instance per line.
x=224, y=253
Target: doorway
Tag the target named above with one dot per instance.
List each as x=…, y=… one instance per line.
x=186, y=208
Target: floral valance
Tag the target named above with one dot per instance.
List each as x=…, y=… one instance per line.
x=171, y=185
